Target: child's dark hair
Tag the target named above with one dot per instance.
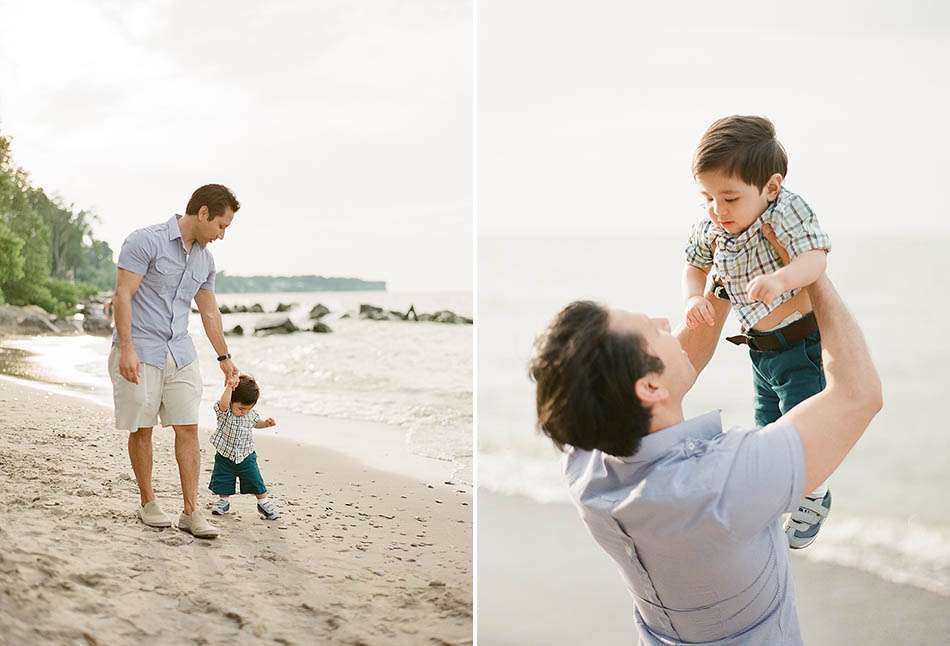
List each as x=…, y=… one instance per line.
x=743, y=147
x=246, y=392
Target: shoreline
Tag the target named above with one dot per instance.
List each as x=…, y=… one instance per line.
x=556, y=586
x=358, y=556
x=377, y=445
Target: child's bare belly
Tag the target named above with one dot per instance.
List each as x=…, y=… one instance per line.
x=799, y=302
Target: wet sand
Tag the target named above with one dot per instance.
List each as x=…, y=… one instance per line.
x=359, y=556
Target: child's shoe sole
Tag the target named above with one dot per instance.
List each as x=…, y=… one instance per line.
x=266, y=516
x=802, y=526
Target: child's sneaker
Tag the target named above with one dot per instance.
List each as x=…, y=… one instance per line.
x=267, y=509
x=803, y=525
x=220, y=507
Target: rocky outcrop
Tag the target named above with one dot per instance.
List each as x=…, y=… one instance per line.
x=285, y=326
x=373, y=313
x=448, y=316
x=321, y=328
x=97, y=325
x=30, y=319
x=35, y=320
x=284, y=307
x=319, y=311
x=237, y=330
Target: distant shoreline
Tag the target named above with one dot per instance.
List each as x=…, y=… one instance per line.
x=226, y=284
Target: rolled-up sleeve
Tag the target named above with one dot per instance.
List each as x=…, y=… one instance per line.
x=797, y=227
x=698, y=249
x=765, y=479
x=137, y=252
x=209, y=282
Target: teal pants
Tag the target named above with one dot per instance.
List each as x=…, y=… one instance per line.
x=227, y=471
x=783, y=378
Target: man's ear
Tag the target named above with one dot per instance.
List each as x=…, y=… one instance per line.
x=649, y=390
x=203, y=214
x=773, y=186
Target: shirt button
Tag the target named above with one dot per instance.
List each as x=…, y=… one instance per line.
x=691, y=445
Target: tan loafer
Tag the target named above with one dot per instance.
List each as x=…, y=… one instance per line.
x=197, y=525
x=153, y=516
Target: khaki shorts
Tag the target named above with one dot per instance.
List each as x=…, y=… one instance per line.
x=169, y=393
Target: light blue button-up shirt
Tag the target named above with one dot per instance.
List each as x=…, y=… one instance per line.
x=693, y=521
x=162, y=303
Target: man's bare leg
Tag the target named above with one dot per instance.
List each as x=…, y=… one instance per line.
x=189, y=463
x=140, y=454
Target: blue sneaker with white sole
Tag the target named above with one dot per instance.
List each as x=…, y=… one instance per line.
x=220, y=507
x=802, y=526
x=267, y=509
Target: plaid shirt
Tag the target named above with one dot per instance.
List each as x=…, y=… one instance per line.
x=740, y=258
x=234, y=437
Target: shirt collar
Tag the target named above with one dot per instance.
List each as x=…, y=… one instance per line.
x=738, y=241
x=657, y=444
x=174, y=229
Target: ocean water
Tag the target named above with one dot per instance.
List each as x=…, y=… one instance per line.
x=415, y=377
x=892, y=512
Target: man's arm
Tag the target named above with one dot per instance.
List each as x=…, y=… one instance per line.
x=831, y=422
x=214, y=329
x=126, y=284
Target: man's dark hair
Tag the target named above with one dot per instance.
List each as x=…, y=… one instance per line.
x=216, y=197
x=743, y=147
x=246, y=391
x=585, y=375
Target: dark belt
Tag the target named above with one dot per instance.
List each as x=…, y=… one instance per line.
x=770, y=341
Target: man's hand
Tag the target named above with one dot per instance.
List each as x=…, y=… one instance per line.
x=129, y=365
x=699, y=311
x=765, y=288
x=231, y=372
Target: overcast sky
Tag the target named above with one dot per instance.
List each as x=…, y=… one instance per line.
x=344, y=128
x=589, y=112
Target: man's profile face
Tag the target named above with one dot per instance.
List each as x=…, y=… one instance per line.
x=678, y=373
x=211, y=230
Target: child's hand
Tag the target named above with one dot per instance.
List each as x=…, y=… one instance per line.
x=699, y=311
x=765, y=288
x=265, y=423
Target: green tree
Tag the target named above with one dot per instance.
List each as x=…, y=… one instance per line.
x=48, y=255
x=11, y=259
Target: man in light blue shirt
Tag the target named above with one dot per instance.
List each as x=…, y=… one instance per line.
x=153, y=363
x=690, y=514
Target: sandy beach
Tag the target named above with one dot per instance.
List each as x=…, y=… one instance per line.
x=359, y=556
x=542, y=580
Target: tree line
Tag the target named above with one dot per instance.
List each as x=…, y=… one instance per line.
x=48, y=254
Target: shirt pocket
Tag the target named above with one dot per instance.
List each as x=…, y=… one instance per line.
x=193, y=280
x=166, y=275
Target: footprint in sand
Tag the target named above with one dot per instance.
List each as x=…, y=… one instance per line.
x=174, y=539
